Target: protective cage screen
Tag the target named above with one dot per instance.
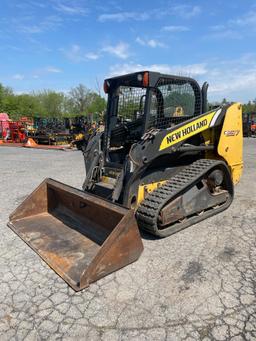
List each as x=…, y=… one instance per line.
x=131, y=103
x=173, y=102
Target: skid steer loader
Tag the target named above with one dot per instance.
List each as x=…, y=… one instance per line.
x=162, y=164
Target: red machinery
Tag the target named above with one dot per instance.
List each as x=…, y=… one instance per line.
x=4, y=125
x=13, y=131
x=18, y=133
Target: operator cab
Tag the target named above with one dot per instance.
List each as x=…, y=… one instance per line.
x=143, y=101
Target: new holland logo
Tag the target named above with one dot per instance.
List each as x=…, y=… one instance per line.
x=186, y=131
x=190, y=129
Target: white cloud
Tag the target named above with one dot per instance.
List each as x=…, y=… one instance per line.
x=225, y=34
x=234, y=86
x=123, y=16
x=249, y=19
x=235, y=28
x=140, y=41
x=193, y=70
x=154, y=43
x=237, y=75
x=49, y=23
x=25, y=5
x=149, y=42
x=70, y=7
x=76, y=54
x=186, y=11
x=10, y=47
x=18, y=76
x=52, y=69
x=38, y=73
x=73, y=53
x=92, y=55
x=185, y=70
x=172, y=28
x=234, y=79
x=217, y=28
x=121, y=50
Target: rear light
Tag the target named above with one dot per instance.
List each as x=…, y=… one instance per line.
x=146, y=79
x=106, y=86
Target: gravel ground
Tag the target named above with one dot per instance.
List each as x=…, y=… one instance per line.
x=198, y=284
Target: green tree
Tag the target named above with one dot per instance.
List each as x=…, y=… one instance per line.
x=249, y=107
x=21, y=105
x=48, y=103
x=79, y=99
x=10, y=106
x=97, y=105
x=28, y=105
x=51, y=103
x=83, y=101
x=4, y=92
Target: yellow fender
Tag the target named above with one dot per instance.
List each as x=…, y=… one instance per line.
x=230, y=146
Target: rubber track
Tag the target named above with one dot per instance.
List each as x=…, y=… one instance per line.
x=148, y=211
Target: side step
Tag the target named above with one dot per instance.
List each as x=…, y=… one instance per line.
x=80, y=236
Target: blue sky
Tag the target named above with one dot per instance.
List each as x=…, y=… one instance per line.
x=57, y=44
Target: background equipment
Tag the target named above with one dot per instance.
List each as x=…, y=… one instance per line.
x=249, y=124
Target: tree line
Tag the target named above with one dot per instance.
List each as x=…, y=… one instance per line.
x=48, y=103
x=249, y=107
x=79, y=101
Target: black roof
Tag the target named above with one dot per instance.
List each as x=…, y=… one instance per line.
x=157, y=79
x=131, y=79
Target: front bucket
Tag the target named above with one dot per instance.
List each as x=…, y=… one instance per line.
x=82, y=237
